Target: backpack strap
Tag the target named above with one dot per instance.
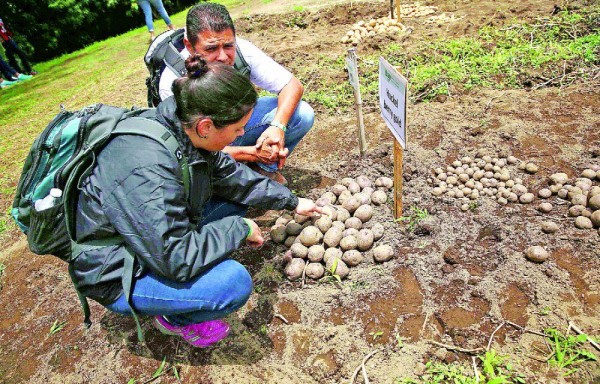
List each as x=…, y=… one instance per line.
x=240, y=63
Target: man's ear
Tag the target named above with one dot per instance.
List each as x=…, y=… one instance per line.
x=204, y=126
x=188, y=45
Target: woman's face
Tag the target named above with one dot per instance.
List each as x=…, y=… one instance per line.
x=216, y=138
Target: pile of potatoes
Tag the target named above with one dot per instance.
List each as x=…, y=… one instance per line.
x=442, y=19
x=583, y=193
x=416, y=10
x=469, y=179
x=337, y=239
x=371, y=28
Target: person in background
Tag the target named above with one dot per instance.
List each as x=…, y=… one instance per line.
x=182, y=242
x=11, y=76
x=278, y=123
x=11, y=49
x=146, y=6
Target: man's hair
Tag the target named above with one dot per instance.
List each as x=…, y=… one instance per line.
x=207, y=17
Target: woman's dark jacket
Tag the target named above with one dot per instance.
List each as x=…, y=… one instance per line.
x=136, y=191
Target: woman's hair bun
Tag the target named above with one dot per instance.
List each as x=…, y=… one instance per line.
x=196, y=66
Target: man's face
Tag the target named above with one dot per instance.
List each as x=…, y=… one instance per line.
x=216, y=46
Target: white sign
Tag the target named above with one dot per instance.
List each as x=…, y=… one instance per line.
x=392, y=100
x=352, y=68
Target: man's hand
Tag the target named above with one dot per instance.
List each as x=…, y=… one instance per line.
x=256, y=238
x=307, y=207
x=276, y=136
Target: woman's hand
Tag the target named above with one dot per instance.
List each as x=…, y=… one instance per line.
x=256, y=238
x=307, y=207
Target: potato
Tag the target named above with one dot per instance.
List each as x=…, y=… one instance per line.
x=576, y=210
x=363, y=182
x=365, y=239
x=363, y=198
x=536, y=254
x=339, y=225
x=332, y=237
x=315, y=253
x=290, y=241
x=315, y=270
x=332, y=252
x=596, y=218
x=283, y=219
x=344, y=196
x=583, y=222
x=594, y=202
x=383, y=253
x=549, y=227
x=348, y=242
x=364, y=213
x=378, y=231
x=293, y=229
x=338, y=189
x=351, y=204
x=287, y=257
x=299, y=250
x=594, y=191
x=343, y=214
x=294, y=269
x=323, y=223
x=519, y=189
x=346, y=181
x=310, y=236
x=341, y=269
x=330, y=211
x=353, y=187
x=278, y=234
x=367, y=191
x=330, y=196
x=352, y=257
x=301, y=219
x=526, y=198
x=379, y=197
x=545, y=207
x=353, y=222
x=579, y=200
x=544, y=193
x=350, y=232
x=384, y=182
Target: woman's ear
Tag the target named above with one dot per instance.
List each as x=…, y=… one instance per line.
x=203, y=127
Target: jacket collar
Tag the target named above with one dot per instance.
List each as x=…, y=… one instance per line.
x=166, y=115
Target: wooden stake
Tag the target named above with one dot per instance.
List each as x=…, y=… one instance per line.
x=398, y=14
x=392, y=9
x=397, y=179
x=362, y=141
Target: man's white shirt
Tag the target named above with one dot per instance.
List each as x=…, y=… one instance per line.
x=265, y=72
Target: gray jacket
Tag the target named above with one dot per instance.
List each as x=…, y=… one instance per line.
x=136, y=191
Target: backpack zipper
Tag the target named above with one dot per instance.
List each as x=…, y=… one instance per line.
x=62, y=116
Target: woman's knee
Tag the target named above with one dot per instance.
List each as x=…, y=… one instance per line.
x=239, y=284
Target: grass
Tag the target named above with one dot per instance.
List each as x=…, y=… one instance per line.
x=547, y=52
x=415, y=216
x=56, y=327
x=567, y=351
x=493, y=369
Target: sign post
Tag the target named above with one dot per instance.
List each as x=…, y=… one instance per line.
x=398, y=14
x=352, y=66
x=392, y=101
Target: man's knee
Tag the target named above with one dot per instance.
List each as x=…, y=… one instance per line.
x=306, y=115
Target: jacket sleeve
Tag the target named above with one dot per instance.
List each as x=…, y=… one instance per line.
x=147, y=206
x=237, y=182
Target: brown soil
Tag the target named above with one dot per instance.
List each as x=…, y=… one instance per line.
x=454, y=281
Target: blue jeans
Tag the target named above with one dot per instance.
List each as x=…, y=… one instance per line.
x=147, y=9
x=11, y=49
x=7, y=71
x=300, y=123
x=214, y=294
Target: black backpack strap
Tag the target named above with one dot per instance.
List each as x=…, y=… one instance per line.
x=174, y=61
x=240, y=63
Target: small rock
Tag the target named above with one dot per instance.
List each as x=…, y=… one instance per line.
x=536, y=254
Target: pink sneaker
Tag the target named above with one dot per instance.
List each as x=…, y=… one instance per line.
x=201, y=335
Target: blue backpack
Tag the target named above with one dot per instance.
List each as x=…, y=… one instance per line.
x=63, y=155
